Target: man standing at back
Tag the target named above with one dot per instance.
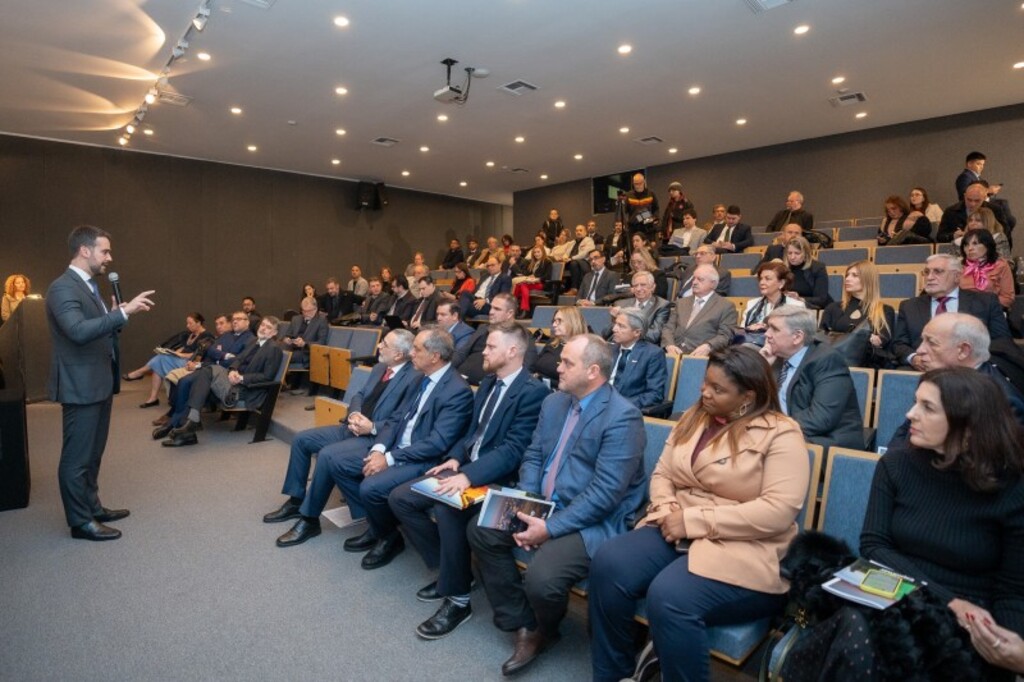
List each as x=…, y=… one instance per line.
x=84, y=377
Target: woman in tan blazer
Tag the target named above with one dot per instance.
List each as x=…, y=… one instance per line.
x=724, y=500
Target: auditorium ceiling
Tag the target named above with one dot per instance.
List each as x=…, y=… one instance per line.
x=79, y=71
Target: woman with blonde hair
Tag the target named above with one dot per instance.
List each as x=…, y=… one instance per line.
x=810, y=277
x=567, y=323
x=16, y=288
x=862, y=305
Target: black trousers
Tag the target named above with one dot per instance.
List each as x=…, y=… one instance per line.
x=539, y=598
x=85, y=429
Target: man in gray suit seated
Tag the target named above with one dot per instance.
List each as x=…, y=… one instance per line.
x=702, y=322
x=654, y=309
x=597, y=283
x=308, y=328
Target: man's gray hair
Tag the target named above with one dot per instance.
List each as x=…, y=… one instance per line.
x=796, y=320
x=439, y=341
x=952, y=262
x=634, y=318
x=710, y=269
x=643, y=274
x=598, y=352
x=972, y=331
x=403, y=339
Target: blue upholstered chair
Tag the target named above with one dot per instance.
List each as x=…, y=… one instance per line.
x=542, y=316
x=744, y=286
x=841, y=256
x=859, y=233
x=739, y=261
x=844, y=497
x=895, y=396
x=910, y=254
x=688, y=383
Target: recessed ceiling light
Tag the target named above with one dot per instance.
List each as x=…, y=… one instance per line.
x=741, y=121
x=424, y=148
x=489, y=164
x=251, y=147
x=236, y=110
x=578, y=157
x=339, y=131
x=203, y=56
x=625, y=49
x=694, y=90
x=463, y=183
x=623, y=130
x=544, y=177
x=442, y=117
x=801, y=29
x=341, y=90
x=1019, y=65
x=335, y=162
x=560, y=104
x=862, y=114
x=520, y=138
x=405, y=174
x=147, y=131
x=122, y=140
x=150, y=96
x=130, y=128
x=672, y=150
x=341, y=22
x=838, y=80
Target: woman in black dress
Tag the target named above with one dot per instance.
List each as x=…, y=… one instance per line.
x=862, y=305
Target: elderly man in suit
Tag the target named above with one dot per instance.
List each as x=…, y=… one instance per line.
x=505, y=412
x=427, y=425
x=304, y=330
x=586, y=455
x=654, y=309
x=954, y=218
x=704, y=255
x=793, y=213
x=639, y=372
x=597, y=283
x=733, y=236
x=257, y=364
x=84, y=375
x=702, y=322
x=815, y=387
x=942, y=294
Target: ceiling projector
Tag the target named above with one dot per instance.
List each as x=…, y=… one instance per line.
x=448, y=94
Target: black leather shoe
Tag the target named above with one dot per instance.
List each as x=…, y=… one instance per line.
x=444, y=622
x=384, y=551
x=149, y=403
x=304, y=529
x=181, y=440
x=95, y=531
x=162, y=431
x=429, y=593
x=288, y=510
x=361, y=543
x=129, y=377
x=109, y=515
x=188, y=427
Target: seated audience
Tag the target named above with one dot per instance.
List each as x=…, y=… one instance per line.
x=954, y=218
x=903, y=225
x=425, y=311
x=673, y=219
x=773, y=279
x=948, y=509
x=463, y=282
x=685, y=237
x=984, y=270
x=249, y=307
x=448, y=320
x=539, y=240
x=639, y=372
x=257, y=364
x=655, y=310
x=506, y=243
x=563, y=248
x=777, y=249
x=417, y=259
x=566, y=324
x=336, y=303
x=717, y=219
x=453, y=256
x=357, y=285
x=16, y=288
x=472, y=251
x=920, y=202
x=468, y=358
x=810, y=278
x=496, y=282
x=942, y=294
x=793, y=213
x=493, y=249
x=702, y=322
x=641, y=260
x=597, y=283
x=390, y=382
x=586, y=456
x=704, y=255
x=305, y=329
x=376, y=304
x=862, y=305
x=707, y=552
x=386, y=278
x=418, y=273
x=536, y=273
x=731, y=236
x=505, y=413
x=577, y=264
x=815, y=387
x=615, y=248
x=984, y=219
x=182, y=347
x=403, y=303
x=309, y=291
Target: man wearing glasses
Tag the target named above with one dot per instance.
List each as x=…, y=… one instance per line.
x=597, y=283
x=942, y=294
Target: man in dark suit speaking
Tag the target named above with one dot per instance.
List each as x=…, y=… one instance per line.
x=84, y=376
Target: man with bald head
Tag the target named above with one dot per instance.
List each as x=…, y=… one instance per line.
x=700, y=323
x=641, y=209
x=793, y=213
x=954, y=218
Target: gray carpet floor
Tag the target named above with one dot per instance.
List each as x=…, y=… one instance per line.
x=196, y=588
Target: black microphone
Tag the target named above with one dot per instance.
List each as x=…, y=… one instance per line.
x=115, y=282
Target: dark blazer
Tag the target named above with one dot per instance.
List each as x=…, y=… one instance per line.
x=821, y=398
x=452, y=257
x=404, y=307
x=784, y=217
x=773, y=252
x=963, y=181
x=656, y=314
x=444, y=420
x=541, y=270
x=502, y=285
x=460, y=332
x=955, y=218
x=915, y=313
x=605, y=285
x=316, y=331
x=644, y=379
x=84, y=365
x=715, y=324
x=507, y=434
x=429, y=309
x=336, y=306
x=469, y=355
x=395, y=393
x=600, y=481
x=742, y=237
x=260, y=365
x=379, y=304
x=812, y=285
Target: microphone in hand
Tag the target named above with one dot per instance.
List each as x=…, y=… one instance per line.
x=115, y=282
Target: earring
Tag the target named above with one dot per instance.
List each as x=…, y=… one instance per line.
x=742, y=410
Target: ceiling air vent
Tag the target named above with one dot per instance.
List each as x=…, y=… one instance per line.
x=262, y=4
x=385, y=141
x=758, y=6
x=847, y=99
x=650, y=139
x=517, y=88
x=175, y=98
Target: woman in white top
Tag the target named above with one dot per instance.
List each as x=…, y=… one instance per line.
x=773, y=278
x=919, y=202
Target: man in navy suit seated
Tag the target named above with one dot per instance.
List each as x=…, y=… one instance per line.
x=505, y=413
x=388, y=386
x=639, y=372
x=497, y=281
x=448, y=319
x=586, y=455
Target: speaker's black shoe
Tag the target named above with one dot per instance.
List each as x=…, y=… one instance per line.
x=95, y=531
x=109, y=515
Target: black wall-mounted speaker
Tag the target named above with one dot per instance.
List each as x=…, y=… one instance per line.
x=382, y=196
x=366, y=196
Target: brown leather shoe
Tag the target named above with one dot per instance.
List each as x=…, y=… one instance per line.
x=161, y=420
x=529, y=645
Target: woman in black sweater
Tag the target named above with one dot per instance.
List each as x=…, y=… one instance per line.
x=810, y=279
x=949, y=508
